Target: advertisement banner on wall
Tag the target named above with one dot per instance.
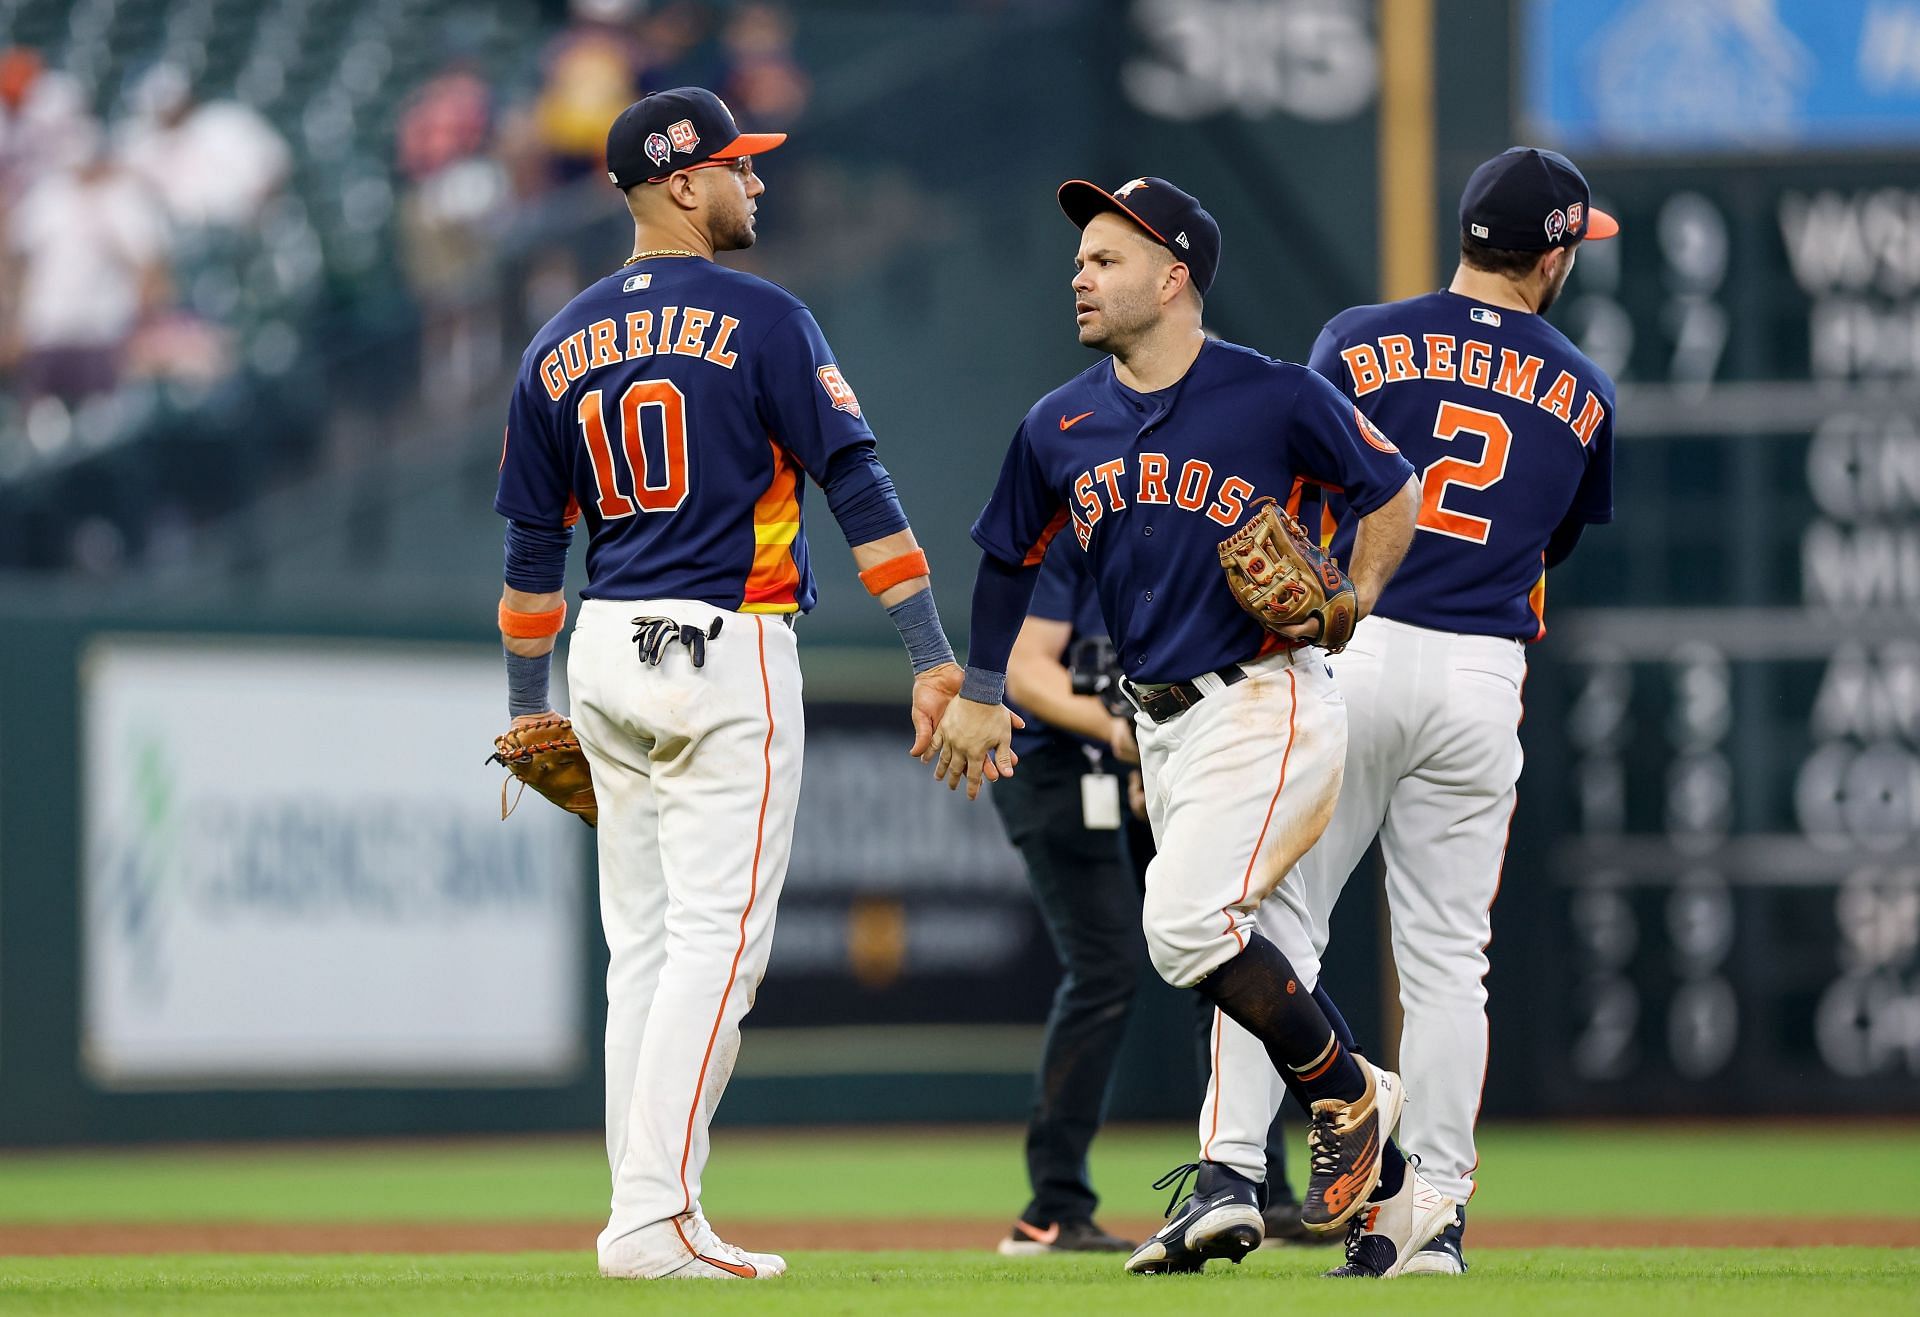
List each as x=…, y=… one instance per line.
x=295, y=873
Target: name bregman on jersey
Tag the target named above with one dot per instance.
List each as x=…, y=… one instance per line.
x=699, y=333
x=1391, y=360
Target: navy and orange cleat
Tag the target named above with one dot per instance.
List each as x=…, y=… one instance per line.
x=1027, y=1240
x=1344, y=1143
x=1220, y=1219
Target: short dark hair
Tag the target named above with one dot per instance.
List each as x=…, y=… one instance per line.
x=1506, y=261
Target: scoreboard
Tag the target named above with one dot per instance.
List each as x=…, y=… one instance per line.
x=1720, y=819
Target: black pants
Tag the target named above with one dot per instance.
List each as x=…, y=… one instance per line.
x=1090, y=899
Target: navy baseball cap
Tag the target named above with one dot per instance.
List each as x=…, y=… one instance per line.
x=673, y=129
x=1526, y=199
x=1171, y=218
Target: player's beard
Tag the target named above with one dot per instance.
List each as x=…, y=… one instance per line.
x=1552, y=293
x=1125, y=314
x=731, y=224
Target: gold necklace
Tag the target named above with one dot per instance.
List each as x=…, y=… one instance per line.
x=658, y=251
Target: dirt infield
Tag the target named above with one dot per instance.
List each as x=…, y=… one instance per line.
x=514, y=1237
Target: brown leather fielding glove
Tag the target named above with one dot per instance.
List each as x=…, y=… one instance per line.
x=546, y=755
x=1281, y=576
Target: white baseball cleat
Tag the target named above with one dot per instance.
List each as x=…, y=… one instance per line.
x=1386, y=1235
x=1442, y=1256
x=685, y=1248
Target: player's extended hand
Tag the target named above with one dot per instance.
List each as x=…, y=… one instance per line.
x=527, y=718
x=933, y=691
x=1120, y=741
x=973, y=741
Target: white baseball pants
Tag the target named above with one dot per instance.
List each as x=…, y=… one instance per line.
x=697, y=774
x=1237, y=788
x=1432, y=762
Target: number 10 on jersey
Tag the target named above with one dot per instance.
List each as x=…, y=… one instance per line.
x=655, y=485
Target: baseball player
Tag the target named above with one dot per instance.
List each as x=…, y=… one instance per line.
x=1086, y=860
x=676, y=405
x=1149, y=459
x=1511, y=428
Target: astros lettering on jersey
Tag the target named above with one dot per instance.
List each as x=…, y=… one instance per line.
x=1152, y=482
x=630, y=401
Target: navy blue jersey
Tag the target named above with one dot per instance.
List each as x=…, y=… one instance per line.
x=1511, y=428
x=675, y=404
x=1151, y=483
x=1063, y=592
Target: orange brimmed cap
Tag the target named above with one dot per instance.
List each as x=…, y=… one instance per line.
x=1529, y=199
x=672, y=130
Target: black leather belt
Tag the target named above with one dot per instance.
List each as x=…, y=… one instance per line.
x=1164, y=703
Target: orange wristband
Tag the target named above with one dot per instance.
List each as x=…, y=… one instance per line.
x=885, y=576
x=532, y=626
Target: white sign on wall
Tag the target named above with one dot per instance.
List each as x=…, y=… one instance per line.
x=294, y=872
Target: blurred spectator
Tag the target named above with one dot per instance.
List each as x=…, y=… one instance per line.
x=593, y=71
x=87, y=247
x=764, y=83
x=677, y=49
x=43, y=121
x=453, y=193
x=215, y=164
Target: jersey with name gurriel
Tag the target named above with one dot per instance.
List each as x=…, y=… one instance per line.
x=1149, y=484
x=675, y=405
x=1511, y=428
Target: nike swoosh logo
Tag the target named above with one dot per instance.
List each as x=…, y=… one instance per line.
x=1038, y=1235
x=1066, y=424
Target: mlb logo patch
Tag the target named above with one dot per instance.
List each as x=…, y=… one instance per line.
x=637, y=283
x=658, y=148
x=839, y=392
x=1480, y=315
x=683, y=136
x=1477, y=230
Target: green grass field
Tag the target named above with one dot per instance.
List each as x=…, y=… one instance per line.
x=1520, y=1282
x=1866, y=1172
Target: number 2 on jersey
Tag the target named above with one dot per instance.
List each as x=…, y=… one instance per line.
x=1454, y=420
x=667, y=492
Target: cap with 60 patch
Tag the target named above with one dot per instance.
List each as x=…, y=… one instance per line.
x=1526, y=199
x=673, y=130
x=1171, y=218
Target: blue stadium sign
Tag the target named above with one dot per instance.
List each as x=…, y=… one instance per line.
x=1656, y=76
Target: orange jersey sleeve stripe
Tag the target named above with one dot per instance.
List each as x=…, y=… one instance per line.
x=773, y=582
x=1039, y=549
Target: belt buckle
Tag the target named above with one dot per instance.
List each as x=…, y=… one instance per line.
x=1163, y=705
